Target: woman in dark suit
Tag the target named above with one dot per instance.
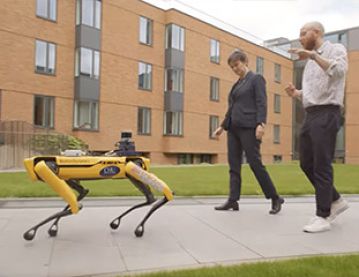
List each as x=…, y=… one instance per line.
x=245, y=122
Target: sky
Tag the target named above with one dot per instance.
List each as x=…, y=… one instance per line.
x=259, y=20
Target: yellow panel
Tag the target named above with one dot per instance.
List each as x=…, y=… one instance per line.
x=149, y=179
x=88, y=160
x=58, y=185
x=97, y=171
x=29, y=166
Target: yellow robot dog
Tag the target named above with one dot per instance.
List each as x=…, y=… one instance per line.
x=63, y=174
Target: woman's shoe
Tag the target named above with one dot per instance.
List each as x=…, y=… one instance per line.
x=227, y=206
x=276, y=205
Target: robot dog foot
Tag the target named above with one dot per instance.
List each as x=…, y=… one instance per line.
x=140, y=229
x=30, y=234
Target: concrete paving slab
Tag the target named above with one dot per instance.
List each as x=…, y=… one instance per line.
x=78, y=259
x=186, y=233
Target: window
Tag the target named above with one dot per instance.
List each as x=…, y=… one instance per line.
x=44, y=111
x=174, y=37
x=276, y=103
x=276, y=134
x=87, y=62
x=185, y=159
x=86, y=115
x=214, y=89
x=145, y=76
x=340, y=141
x=213, y=125
x=277, y=73
x=260, y=65
x=174, y=80
x=205, y=158
x=173, y=123
x=144, y=121
x=45, y=57
x=88, y=12
x=277, y=158
x=214, y=55
x=146, y=30
x=46, y=9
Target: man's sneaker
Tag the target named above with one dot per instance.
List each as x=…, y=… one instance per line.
x=318, y=224
x=337, y=208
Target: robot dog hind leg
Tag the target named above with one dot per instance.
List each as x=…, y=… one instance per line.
x=148, y=179
x=145, y=189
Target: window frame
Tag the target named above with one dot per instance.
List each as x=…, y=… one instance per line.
x=97, y=116
x=176, y=84
x=275, y=139
x=47, y=58
x=277, y=103
x=147, y=65
x=149, y=22
x=211, y=118
x=95, y=14
x=211, y=87
x=277, y=72
x=179, y=123
x=78, y=63
x=188, y=158
x=277, y=158
x=260, y=65
x=48, y=12
x=217, y=51
x=169, y=37
x=140, y=128
x=48, y=105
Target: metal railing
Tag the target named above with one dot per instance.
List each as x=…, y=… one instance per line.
x=20, y=140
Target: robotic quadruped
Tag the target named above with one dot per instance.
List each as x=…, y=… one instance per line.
x=63, y=174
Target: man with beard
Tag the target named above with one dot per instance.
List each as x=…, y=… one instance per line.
x=322, y=96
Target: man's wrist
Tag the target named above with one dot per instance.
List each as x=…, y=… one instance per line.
x=298, y=94
x=313, y=55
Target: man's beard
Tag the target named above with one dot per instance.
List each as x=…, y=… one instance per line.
x=309, y=45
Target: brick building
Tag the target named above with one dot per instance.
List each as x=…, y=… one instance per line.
x=92, y=68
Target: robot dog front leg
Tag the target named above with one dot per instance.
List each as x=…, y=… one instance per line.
x=45, y=171
x=82, y=192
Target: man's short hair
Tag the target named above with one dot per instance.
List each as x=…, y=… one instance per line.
x=316, y=25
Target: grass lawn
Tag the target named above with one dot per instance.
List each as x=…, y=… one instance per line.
x=332, y=266
x=190, y=181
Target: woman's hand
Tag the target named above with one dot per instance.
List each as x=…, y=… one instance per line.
x=259, y=132
x=218, y=132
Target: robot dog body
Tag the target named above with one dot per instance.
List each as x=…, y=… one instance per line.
x=63, y=174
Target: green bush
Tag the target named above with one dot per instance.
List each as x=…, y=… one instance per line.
x=55, y=143
x=76, y=143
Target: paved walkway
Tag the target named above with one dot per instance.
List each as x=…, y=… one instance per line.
x=185, y=233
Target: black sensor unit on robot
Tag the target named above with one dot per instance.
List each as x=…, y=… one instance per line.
x=126, y=146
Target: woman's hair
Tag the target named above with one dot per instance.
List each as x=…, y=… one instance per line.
x=237, y=55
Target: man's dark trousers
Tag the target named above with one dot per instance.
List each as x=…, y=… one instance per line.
x=316, y=150
x=244, y=139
